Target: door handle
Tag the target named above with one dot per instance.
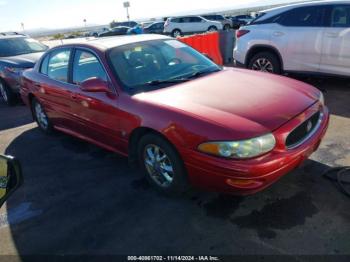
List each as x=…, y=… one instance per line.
x=74, y=96
x=332, y=35
x=278, y=33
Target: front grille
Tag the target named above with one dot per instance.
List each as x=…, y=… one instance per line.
x=302, y=132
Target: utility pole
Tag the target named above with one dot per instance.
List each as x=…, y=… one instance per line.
x=126, y=6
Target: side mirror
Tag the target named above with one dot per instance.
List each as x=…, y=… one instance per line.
x=94, y=84
x=10, y=177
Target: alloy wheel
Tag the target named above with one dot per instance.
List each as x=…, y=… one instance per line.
x=158, y=166
x=263, y=65
x=176, y=33
x=3, y=92
x=41, y=116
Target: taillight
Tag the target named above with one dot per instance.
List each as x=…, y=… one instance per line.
x=241, y=33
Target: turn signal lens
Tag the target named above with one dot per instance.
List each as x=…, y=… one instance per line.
x=240, y=149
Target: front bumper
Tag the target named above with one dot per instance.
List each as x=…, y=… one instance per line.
x=244, y=177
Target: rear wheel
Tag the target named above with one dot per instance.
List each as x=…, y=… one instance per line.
x=176, y=33
x=162, y=165
x=227, y=27
x=6, y=94
x=212, y=29
x=265, y=62
x=41, y=117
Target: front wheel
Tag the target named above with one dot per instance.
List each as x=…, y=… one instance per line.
x=176, y=33
x=265, y=62
x=6, y=94
x=41, y=117
x=162, y=165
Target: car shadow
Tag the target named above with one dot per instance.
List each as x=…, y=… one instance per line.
x=80, y=199
x=14, y=116
x=336, y=91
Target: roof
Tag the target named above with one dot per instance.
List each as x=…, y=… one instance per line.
x=9, y=36
x=310, y=3
x=277, y=10
x=114, y=41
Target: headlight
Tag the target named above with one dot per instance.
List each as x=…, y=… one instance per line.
x=240, y=149
x=321, y=99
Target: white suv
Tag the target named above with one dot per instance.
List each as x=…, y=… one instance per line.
x=178, y=26
x=310, y=37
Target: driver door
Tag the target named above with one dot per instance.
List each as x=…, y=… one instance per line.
x=96, y=112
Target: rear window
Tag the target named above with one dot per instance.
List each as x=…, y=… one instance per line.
x=311, y=16
x=20, y=46
x=340, y=16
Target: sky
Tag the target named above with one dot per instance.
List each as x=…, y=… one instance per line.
x=52, y=14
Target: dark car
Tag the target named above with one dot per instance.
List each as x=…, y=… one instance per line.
x=17, y=53
x=120, y=30
x=184, y=119
x=155, y=28
x=127, y=24
x=240, y=20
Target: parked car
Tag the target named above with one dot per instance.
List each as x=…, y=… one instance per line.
x=17, y=53
x=97, y=32
x=190, y=24
x=155, y=28
x=181, y=117
x=240, y=20
x=302, y=38
x=120, y=30
x=10, y=177
x=127, y=24
x=226, y=23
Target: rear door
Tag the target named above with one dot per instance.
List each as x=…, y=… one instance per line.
x=55, y=93
x=336, y=42
x=298, y=35
x=199, y=24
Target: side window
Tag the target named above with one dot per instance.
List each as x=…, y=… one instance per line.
x=58, y=65
x=195, y=19
x=44, y=65
x=86, y=65
x=303, y=17
x=340, y=16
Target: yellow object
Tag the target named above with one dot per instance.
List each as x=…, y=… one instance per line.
x=3, y=176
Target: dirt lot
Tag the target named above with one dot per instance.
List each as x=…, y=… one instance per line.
x=80, y=199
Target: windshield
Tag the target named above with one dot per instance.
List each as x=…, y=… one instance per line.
x=146, y=66
x=20, y=46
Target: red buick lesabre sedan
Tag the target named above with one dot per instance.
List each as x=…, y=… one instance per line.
x=182, y=118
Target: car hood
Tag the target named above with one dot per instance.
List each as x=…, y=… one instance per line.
x=246, y=101
x=24, y=61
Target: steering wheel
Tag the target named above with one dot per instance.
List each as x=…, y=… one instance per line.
x=175, y=61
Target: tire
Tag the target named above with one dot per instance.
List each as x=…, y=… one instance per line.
x=171, y=183
x=6, y=94
x=212, y=29
x=268, y=62
x=39, y=118
x=227, y=27
x=176, y=33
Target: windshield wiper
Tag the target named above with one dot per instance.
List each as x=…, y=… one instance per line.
x=201, y=73
x=168, y=81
